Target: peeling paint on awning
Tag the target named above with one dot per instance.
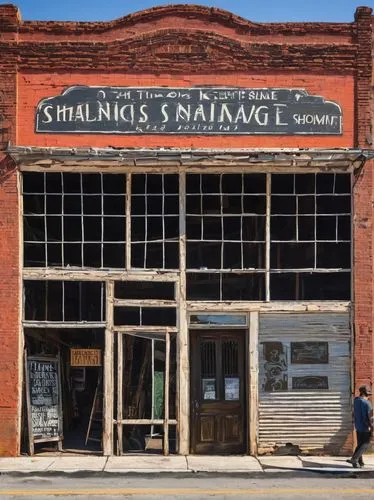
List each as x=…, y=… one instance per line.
x=345, y=158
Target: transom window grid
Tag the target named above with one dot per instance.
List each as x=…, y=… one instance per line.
x=64, y=301
x=74, y=219
x=225, y=221
x=155, y=221
x=310, y=236
x=145, y=305
x=310, y=222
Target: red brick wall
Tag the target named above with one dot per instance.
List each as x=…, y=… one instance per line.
x=9, y=243
x=33, y=87
x=363, y=212
x=363, y=276
x=9, y=315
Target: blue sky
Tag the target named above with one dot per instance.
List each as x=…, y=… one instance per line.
x=255, y=10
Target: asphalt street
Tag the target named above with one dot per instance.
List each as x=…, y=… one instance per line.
x=197, y=486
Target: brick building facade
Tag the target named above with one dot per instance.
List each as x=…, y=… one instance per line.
x=243, y=224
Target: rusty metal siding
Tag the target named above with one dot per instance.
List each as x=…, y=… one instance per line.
x=312, y=418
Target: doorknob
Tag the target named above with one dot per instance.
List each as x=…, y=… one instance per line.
x=196, y=405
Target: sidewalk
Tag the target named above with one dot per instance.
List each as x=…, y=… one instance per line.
x=179, y=464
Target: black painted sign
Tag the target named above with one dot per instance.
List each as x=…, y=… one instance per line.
x=309, y=353
x=311, y=382
x=188, y=111
x=44, y=394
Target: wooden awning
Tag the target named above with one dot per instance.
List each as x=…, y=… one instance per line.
x=321, y=159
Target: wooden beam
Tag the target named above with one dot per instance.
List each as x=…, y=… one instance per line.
x=183, y=365
x=145, y=303
x=267, y=237
x=108, y=374
x=166, y=395
x=145, y=421
x=280, y=306
x=128, y=222
x=28, y=408
x=120, y=372
x=64, y=324
x=147, y=329
x=253, y=381
x=207, y=167
x=79, y=274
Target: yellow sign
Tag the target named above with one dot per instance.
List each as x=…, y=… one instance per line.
x=85, y=357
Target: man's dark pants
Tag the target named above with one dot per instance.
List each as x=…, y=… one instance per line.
x=363, y=443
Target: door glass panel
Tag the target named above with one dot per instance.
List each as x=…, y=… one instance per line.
x=208, y=370
x=230, y=368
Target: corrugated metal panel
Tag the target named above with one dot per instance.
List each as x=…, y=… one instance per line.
x=309, y=418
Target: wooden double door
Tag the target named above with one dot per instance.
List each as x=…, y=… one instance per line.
x=218, y=392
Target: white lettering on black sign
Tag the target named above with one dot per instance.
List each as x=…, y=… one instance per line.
x=43, y=382
x=188, y=111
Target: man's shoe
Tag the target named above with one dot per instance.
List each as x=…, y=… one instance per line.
x=361, y=464
x=353, y=463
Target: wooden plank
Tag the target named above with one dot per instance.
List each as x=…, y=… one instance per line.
x=120, y=402
x=128, y=222
x=78, y=274
x=145, y=421
x=280, y=306
x=253, y=382
x=144, y=303
x=147, y=329
x=61, y=324
x=267, y=237
x=108, y=374
x=28, y=409
x=183, y=366
x=166, y=395
x=207, y=166
x=48, y=440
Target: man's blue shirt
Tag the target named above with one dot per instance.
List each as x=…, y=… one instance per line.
x=362, y=411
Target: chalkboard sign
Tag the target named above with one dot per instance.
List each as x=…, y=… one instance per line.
x=43, y=387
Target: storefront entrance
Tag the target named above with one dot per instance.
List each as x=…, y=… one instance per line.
x=218, y=392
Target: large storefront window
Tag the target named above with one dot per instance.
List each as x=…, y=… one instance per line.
x=249, y=236
x=279, y=237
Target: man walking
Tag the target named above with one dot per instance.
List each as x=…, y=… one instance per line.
x=362, y=413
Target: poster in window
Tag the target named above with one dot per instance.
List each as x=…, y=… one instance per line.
x=232, y=388
x=209, y=388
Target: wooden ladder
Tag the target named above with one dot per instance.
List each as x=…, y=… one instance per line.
x=96, y=415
